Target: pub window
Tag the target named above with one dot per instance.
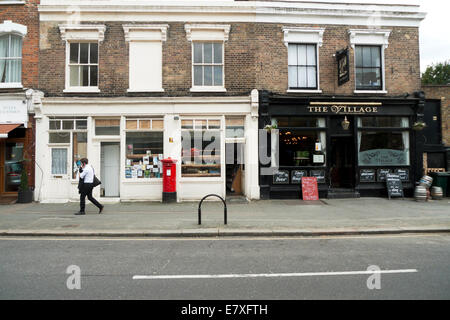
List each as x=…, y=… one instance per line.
x=302, y=66
x=368, y=68
x=201, y=145
x=383, y=147
x=144, y=148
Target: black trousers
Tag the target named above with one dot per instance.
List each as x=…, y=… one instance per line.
x=86, y=190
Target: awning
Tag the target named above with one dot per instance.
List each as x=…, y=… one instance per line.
x=7, y=128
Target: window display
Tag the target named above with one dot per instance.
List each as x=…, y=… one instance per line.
x=201, y=146
x=144, y=152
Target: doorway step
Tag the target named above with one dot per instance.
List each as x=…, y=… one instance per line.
x=342, y=193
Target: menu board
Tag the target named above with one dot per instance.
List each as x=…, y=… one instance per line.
x=281, y=177
x=367, y=175
x=297, y=175
x=310, y=191
x=381, y=174
x=319, y=174
x=394, y=185
x=403, y=173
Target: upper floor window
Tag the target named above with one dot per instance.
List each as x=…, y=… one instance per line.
x=208, y=64
x=11, y=36
x=208, y=61
x=368, y=68
x=83, y=64
x=302, y=66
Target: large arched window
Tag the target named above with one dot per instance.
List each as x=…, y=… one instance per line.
x=11, y=36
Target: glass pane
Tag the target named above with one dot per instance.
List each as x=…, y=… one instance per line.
x=145, y=124
x=234, y=127
x=293, y=77
x=157, y=124
x=383, y=148
x=372, y=77
x=376, y=59
x=367, y=57
x=200, y=124
x=198, y=75
x=213, y=124
x=81, y=124
x=218, y=53
x=300, y=122
x=85, y=76
x=59, y=137
x=312, y=81
x=59, y=161
x=292, y=55
x=311, y=55
x=131, y=124
x=4, y=43
x=84, y=52
x=74, y=76
x=197, y=52
x=218, y=76
x=302, y=77
x=79, y=151
x=144, y=152
x=94, y=76
x=358, y=57
x=55, y=124
x=94, y=53
x=13, y=166
x=74, y=52
x=297, y=147
x=186, y=124
x=208, y=76
x=207, y=51
x=107, y=127
x=359, y=77
x=384, y=122
x=16, y=47
x=301, y=54
x=68, y=124
x=13, y=70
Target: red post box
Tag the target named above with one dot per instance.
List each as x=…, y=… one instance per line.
x=169, y=180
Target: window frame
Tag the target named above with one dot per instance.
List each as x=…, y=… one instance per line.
x=211, y=64
x=381, y=67
x=62, y=147
x=89, y=88
x=316, y=66
x=9, y=58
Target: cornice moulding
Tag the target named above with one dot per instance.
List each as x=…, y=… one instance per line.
x=82, y=32
x=145, y=32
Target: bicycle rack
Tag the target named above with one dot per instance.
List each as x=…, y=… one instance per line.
x=200, y=208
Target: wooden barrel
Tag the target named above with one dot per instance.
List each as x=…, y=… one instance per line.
x=426, y=181
x=420, y=193
x=436, y=193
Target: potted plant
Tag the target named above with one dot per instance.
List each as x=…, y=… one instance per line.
x=25, y=194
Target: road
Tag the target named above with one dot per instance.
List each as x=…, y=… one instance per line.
x=412, y=267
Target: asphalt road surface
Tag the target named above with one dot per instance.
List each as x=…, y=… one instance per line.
x=410, y=267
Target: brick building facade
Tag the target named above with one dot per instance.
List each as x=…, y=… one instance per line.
x=208, y=65
x=19, y=56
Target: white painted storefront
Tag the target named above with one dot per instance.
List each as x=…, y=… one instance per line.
x=68, y=129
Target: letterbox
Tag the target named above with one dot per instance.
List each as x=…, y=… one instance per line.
x=169, y=180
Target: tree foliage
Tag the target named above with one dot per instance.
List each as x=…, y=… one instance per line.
x=437, y=73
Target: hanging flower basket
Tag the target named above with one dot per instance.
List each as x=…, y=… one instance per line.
x=419, y=126
x=269, y=127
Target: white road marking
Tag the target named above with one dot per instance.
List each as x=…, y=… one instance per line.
x=269, y=275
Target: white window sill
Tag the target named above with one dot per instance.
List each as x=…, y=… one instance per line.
x=208, y=89
x=303, y=91
x=371, y=91
x=11, y=85
x=142, y=181
x=82, y=90
x=12, y=2
x=145, y=90
x=201, y=179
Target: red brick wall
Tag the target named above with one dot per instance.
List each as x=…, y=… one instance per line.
x=26, y=14
x=255, y=57
x=442, y=93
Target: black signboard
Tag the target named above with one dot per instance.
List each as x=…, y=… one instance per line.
x=403, y=173
x=367, y=175
x=381, y=174
x=297, y=175
x=281, y=177
x=394, y=185
x=343, y=66
x=319, y=174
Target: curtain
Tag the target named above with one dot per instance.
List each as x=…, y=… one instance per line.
x=406, y=144
x=59, y=161
x=3, y=53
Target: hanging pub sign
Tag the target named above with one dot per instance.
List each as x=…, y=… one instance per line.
x=343, y=66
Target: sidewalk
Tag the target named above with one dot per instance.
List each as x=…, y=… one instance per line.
x=256, y=218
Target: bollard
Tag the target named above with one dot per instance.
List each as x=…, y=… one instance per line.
x=200, y=208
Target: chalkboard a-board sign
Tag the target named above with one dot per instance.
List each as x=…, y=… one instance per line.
x=367, y=175
x=381, y=174
x=281, y=177
x=403, y=173
x=319, y=174
x=394, y=185
x=297, y=175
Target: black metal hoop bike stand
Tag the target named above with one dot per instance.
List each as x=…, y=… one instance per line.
x=200, y=208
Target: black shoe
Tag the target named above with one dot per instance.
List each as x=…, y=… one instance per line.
x=79, y=213
x=100, y=210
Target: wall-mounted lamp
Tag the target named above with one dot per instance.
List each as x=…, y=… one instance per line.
x=345, y=124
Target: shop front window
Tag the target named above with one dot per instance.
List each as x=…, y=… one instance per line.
x=201, y=145
x=107, y=127
x=144, y=148
x=383, y=147
x=59, y=161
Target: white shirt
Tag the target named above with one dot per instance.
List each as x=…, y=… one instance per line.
x=87, y=174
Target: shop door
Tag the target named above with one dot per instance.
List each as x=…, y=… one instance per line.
x=234, y=157
x=110, y=164
x=11, y=164
x=342, y=162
